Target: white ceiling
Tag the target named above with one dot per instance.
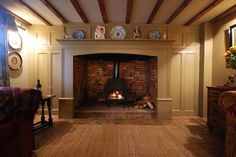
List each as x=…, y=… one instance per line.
x=116, y=11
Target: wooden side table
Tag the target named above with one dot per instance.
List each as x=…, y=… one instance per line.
x=43, y=123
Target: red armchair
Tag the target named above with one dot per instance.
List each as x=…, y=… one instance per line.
x=17, y=108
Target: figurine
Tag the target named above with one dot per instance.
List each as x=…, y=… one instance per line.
x=99, y=32
x=136, y=33
x=164, y=35
x=67, y=36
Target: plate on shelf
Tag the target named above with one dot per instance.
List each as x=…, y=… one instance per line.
x=118, y=32
x=78, y=34
x=14, y=40
x=155, y=34
x=14, y=61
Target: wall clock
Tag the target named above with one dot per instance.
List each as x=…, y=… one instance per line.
x=14, y=61
x=14, y=40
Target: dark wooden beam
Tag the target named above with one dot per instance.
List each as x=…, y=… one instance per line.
x=103, y=10
x=154, y=11
x=77, y=7
x=178, y=11
x=53, y=10
x=129, y=10
x=26, y=23
x=203, y=12
x=224, y=14
x=26, y=6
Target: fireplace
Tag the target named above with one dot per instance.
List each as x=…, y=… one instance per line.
x=79, y=84
x=114, y=79
x=115, y=88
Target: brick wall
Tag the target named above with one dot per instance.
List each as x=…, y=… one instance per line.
x=90, y=76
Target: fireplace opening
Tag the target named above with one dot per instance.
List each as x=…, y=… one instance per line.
x=109, y=79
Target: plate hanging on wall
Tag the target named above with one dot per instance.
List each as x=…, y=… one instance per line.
x=14, y=61
x=14, y=40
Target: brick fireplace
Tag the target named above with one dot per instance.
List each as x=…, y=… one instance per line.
x=132, y=75
x=80, y=50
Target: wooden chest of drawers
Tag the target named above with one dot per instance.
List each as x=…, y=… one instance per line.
x=216, y=116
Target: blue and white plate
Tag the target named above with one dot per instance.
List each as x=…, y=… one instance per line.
x=155, y=34
x=118, y=33
x=78, y=34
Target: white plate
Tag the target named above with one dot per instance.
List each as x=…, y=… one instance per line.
x=14, y=40
x=14, y=61
x=118, y=32
x=155, y=34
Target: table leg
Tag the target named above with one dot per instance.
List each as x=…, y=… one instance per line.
x=42, y=116
x=49, y=103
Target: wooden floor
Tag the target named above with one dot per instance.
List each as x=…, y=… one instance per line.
x=89, y=137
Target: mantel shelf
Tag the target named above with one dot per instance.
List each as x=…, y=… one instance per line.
x=110, y=42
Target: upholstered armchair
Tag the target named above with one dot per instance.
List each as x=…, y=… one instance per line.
x=228, y=102
x=17, y=108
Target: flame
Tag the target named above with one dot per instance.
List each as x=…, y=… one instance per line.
x=116, y=95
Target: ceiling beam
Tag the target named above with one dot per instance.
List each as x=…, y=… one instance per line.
x=178, y=11
x=103, y=10
x=129, y=10
x=79, y=10
x=224, y=14
x=26, y=23
x=203, y=12
x=41, y=18
x=53, y=10
x=154, y=11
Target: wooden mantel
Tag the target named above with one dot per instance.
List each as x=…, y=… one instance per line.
x=108, y=43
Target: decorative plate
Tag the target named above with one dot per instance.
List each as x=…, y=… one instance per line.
x=118, y=32
x=14, y=61
x=78, y=34
x=14, y=40
x=155, y=34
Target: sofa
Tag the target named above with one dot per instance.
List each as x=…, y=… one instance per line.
x=17, y=109
x=227, y=101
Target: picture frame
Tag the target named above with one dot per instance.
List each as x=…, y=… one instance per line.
x=232, y=35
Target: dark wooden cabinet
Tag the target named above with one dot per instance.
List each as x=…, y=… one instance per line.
x=216, y=115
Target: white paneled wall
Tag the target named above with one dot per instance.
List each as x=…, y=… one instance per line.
x=48, y=60
x=183, y=57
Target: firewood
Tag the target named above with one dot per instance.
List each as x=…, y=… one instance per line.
x=150, y=105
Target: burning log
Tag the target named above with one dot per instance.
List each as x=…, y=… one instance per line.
x=144, y=102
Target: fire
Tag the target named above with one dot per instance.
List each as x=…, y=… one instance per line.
x=116, y=95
